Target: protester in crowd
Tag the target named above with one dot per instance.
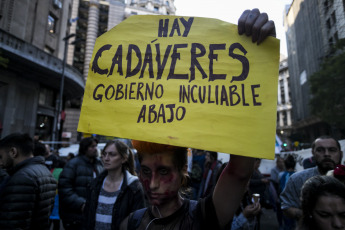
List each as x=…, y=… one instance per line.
x=309, y=162
x=39, y=149
x=276, y=170
x=164, y=178
x=52, y=160
x=70, y=156
x=55, y=217
x=274, y=189
x=164, y=170
x=245, y=217
x=198, y=164
x=74, y=179
x=327, y=153
x=209, y=179
x=338, y=172
x=258, y=184
x=322, y=204
x=3, y=175
x=290, y=164
x=116, y=192
x=27, y=195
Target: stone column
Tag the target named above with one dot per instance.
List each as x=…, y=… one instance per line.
x=91, y=34
x=72, y=30
x=286, y=90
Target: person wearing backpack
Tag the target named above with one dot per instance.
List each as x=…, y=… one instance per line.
x=164, y=176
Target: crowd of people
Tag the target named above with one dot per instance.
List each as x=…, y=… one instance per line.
x=103, y=191
x=108, y=190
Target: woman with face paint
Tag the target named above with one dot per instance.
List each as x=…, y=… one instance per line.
x=116, y=192
x=163, y=172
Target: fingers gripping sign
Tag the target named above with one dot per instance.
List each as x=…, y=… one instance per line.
x=256, y=24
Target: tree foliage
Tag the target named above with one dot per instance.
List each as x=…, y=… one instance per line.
x=328, y=88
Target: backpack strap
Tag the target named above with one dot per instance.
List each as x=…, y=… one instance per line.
x=136, y=218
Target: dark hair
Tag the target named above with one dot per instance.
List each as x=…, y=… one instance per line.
x=312, y=189
x=213, y=155
x=290, y=162
x=125, y=152
x=179, y=157
x=322, y=138
x=39, y=149
x=23, y=142
x=85, y=144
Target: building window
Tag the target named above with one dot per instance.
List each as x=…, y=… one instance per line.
x=167, y=3
x=44, y=127
x=155, y=9
x=336, y=38
x=330, y=42
x=334, y=20
x=51, y=24
x=57, y=4
x=325, y=4
x=328, y=24
x=46, y=97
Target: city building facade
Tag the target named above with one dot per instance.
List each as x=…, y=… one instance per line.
x=92, y=19
x=31, y=66
x=312, y=27
x=284, y=106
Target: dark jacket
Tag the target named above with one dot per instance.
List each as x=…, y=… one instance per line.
x=27, y=198
x=74, y=179
x=130, y=198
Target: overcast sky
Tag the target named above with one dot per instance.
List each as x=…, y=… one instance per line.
x=231, y=10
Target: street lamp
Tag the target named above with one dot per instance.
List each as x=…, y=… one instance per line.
x=62, y=84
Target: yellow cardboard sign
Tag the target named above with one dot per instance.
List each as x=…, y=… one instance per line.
x=184, y=81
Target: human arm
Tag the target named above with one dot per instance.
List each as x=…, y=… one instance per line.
x=248, y=213
x=289, y=197
x=233, y=181
x=251, y=210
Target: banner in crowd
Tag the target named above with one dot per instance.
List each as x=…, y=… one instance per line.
x=184, y=81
